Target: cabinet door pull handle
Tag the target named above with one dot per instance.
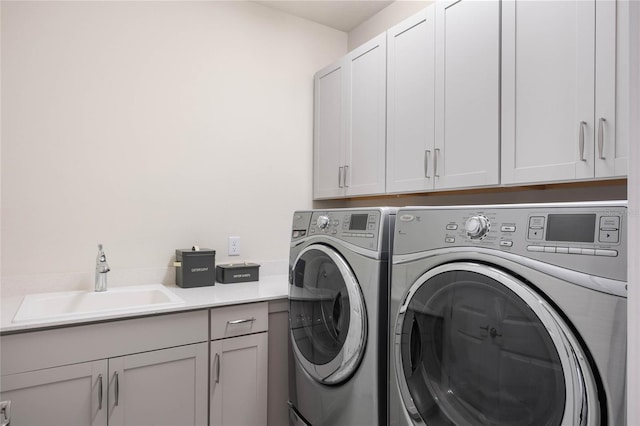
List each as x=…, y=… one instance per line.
x=240, y=321
x=99, y=391
x=436, y=154
x=346, y=173
x=217, y=362
x=581, y=140
x=5, y=413
x=117, y=390
x=340, y=173
x=427, y=154
x=601, y=138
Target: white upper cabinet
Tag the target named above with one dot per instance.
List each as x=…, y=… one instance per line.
x=366, y=122
x=558, y=91
x=443, y=106
x=350, y=124
x=410, y=103
x=467, y=88
x=330, y=109
x=467, y=147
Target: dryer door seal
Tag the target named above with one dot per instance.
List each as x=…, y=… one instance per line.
x=474, y=345
x=327, y=315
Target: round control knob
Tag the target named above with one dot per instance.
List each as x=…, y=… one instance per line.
x=477, y=227
x=323, y=222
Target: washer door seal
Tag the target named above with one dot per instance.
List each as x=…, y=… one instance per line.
x=474, y=345
x=327, y=315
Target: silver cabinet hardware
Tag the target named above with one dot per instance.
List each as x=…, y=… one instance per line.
x=5, y=413
x=99, y=391
x=601, y=138
x=340, y=174
x=436, y=154
x=117, y=389
x=581, y=140
x=427, y=154
x=217, y=362
x=346, y=173
x=241, y=321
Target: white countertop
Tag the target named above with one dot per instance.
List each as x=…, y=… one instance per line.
x=271, y=287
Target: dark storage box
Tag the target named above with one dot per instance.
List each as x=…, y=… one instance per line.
x=237, y=272
x=195, y=268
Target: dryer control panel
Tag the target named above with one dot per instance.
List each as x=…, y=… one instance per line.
x=589, y=237
x=361, y=227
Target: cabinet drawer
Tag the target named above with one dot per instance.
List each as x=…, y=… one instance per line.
x=237, y=320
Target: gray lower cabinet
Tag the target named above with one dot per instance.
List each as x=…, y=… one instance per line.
x=167, y=386
x=191, y=368
x=143, y=371
x=239, y=365
x=67, y=395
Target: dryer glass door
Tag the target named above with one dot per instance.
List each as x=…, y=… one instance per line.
x=327, y=317
x=474, y=346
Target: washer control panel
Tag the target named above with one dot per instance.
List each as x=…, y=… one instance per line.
x=566, y=234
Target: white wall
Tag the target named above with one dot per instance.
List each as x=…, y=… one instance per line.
x=391, y=15
x=152, y=126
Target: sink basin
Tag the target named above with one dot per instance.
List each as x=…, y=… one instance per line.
x=86, y=304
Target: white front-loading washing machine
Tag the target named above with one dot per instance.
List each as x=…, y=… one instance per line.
x=509, y=315
x=338, y=316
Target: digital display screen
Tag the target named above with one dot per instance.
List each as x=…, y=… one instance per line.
x=358, y=222
x=577, y=228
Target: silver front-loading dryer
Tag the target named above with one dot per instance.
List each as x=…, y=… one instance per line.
x=338, y=310
x=509, y=315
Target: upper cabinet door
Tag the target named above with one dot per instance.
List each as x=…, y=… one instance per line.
x=410, y=103
x=467, y=112
x=330, y=110
x=366, y=122
x=612, y=88
x=548, y=54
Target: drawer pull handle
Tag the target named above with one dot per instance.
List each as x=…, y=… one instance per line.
x=241, y=321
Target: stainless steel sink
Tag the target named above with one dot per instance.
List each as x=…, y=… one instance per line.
x=86, y=304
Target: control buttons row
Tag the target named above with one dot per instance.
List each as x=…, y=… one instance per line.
x=324, y=231
x=358, y=235
x=573, y=250
x=503, y=228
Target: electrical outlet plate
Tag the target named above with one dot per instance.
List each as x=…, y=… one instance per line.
x=234, y=246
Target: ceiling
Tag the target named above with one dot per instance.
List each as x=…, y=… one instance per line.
x=338, y=14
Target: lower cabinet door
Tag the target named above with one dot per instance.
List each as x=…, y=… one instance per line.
x=70, y=395
x=239, y=381
x=164, y=387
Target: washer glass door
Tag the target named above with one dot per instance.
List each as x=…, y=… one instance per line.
x=475, y=346
x=327, y=317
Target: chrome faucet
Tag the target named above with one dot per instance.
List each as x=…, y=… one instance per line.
x=101, y=270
